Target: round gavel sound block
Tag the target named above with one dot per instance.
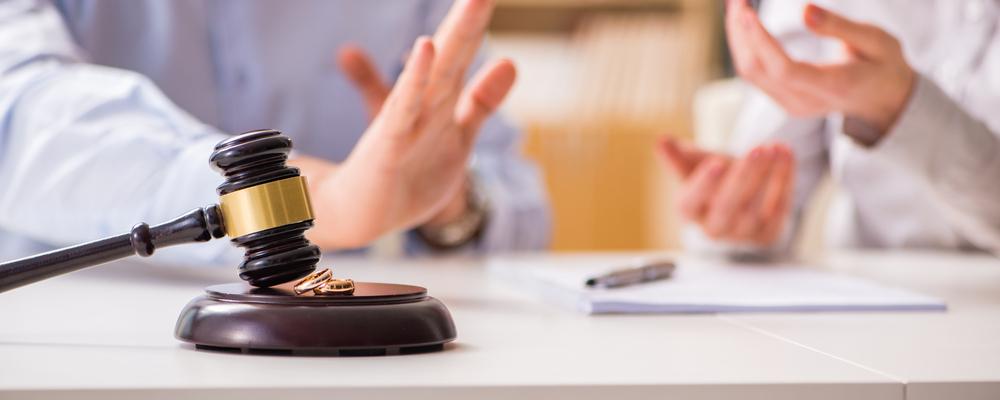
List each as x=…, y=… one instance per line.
x=378, y=319
x=266, y=210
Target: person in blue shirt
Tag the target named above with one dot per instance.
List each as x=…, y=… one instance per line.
x=109, y=109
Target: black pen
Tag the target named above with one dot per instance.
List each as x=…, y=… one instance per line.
x=649, y=271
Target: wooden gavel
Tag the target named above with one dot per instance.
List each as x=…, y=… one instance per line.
x=263, y=207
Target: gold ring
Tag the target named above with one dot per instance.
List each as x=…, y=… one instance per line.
x=313, y=281
x=336, y=286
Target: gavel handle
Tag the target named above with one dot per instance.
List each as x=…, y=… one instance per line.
x=198, y=225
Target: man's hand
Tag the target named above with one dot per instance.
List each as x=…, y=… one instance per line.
x=364, y=74
x=743, y=200
x=872, y=82
x=410, y=164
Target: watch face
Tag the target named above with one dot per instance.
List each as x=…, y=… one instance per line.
x=454, y=234
x=464, y=229
x=461, y=230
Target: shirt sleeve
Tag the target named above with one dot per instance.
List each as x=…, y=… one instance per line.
x=957, y=155
x=88, y=151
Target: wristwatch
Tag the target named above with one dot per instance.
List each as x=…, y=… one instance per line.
x=467, y=228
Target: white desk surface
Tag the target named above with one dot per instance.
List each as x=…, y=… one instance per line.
x=952, y=355
x=71, y=337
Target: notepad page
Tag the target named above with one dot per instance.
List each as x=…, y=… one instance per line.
x=703, y=286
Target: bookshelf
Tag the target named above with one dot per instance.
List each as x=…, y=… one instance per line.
x=599, y=82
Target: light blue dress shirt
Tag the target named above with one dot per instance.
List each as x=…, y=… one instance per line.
x=109, y=109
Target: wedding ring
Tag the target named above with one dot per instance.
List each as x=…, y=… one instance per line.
x=313, y=281
x=336, y=286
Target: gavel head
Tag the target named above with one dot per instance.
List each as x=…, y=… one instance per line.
x=265, y=207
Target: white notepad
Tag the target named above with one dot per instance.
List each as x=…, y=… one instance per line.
x=699, y=286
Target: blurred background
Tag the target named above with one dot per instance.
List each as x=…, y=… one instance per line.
x=600, y=81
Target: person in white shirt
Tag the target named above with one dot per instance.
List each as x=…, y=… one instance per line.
x=899, y=100
x=109, y=110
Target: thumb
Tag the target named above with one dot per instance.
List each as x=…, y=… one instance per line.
x=363, y=73
x=681, y=158
x=868, y=40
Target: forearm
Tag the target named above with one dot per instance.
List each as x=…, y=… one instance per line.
x=956, y=154
x=89, y=151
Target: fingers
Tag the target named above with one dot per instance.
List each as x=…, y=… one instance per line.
x=746, y=227
x=777, y=202
x=772, y=58
x=868, y=40
x=738, y=189
x=779, y=183
x=404, y=105
x=801, y=88
x=364, y=74
x=737, y=40
x=697, y=193
x=457, y=40
x=750, y=203
x=765, y=63
x=768, y=51
x=680, y=157
x=483, y=96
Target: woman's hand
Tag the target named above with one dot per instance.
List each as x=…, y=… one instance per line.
x=744, y=200
x=871, y=82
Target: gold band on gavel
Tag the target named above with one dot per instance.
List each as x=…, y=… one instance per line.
x=265, y=206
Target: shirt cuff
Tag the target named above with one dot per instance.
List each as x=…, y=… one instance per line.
x=910, y=141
